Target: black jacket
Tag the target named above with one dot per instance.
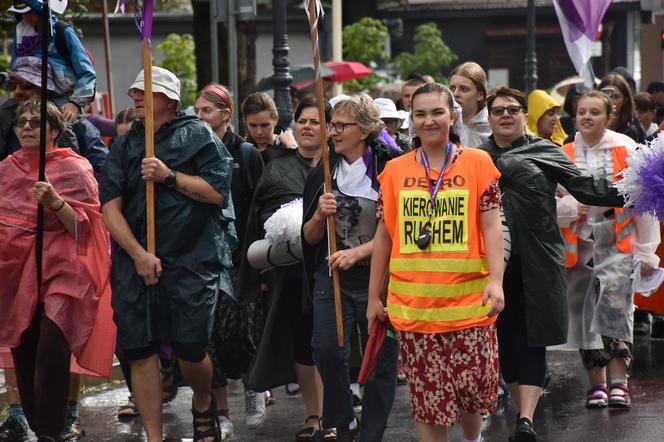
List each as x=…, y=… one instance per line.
x=530, y=171
x=313, y=256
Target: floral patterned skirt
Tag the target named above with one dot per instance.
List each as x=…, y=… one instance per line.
x=451, y=372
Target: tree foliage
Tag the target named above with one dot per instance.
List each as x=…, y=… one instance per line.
x=180, y=59
x=364, y=41
x=432, y=56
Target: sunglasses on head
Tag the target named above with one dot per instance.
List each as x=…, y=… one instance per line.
x=34, y=123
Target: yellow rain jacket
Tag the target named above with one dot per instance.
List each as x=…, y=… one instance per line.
x=539, y=102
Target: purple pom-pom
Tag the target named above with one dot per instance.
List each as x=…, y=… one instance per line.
x=651, y=179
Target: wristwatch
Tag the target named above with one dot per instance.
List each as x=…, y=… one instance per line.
x=169, y=181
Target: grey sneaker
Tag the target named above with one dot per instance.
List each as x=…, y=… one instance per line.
x=254, y=406
x=226, y=427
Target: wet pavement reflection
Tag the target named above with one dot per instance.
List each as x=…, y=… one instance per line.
x=561, y=415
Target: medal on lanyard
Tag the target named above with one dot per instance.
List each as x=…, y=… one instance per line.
x=424, y=239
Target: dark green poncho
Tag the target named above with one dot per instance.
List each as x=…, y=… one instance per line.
x=193, y=239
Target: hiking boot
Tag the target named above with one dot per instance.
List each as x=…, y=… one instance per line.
x=73, y=430
x=14, y=429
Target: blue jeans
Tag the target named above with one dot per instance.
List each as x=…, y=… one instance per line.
x=332, y=362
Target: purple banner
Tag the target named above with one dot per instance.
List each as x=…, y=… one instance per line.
x=584, y=16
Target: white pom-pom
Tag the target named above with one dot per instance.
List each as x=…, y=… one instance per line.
x=282, y=229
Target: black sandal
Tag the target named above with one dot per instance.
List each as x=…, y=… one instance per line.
x=206, y=419
x=308, y=433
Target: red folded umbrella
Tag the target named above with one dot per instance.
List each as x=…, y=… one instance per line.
x=346, y=70
x=377, y=336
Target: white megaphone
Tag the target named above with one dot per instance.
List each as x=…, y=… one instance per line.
x=263, y=255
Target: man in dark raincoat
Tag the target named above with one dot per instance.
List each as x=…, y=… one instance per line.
x=535, y=314
x=170, y=296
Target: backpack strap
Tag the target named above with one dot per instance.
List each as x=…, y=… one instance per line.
x=246, y=153
x=60, y=43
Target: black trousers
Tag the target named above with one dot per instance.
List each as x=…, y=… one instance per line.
x=42, y=373
x=519, y=363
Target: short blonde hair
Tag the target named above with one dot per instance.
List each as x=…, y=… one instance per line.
x=364, y=111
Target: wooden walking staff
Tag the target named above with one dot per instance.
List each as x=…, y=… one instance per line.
x=144, y=24
x=146, y=31
x=39, y=247
x=315, y=10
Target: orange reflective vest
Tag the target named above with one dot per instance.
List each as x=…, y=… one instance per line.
x=439, y=289
x=623, y=218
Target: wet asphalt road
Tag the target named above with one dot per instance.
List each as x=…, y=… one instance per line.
x=560, y=416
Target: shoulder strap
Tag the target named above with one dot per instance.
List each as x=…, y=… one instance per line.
x=60, y=43
x=246, y=152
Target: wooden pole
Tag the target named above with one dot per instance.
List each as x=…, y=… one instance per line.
x=39, y=240
x=320, y=98
x=107, y=55
x=149, y=143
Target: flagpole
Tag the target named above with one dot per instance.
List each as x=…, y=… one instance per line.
x=107, y=55
x=149, y=142
x=320, y=98
x=46, y=32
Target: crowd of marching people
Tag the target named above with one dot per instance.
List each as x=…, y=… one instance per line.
x=473, y=228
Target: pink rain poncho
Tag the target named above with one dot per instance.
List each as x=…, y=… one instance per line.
x=76, y=289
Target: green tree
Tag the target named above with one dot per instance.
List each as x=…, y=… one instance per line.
x=180, y=59
x=431, y=55
x=364, y=41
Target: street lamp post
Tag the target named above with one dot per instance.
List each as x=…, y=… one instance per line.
x=531, y=55
x=282, y=77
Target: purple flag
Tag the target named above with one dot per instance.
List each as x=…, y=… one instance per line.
x=579, y=22
x=148, y=13
x=144, y=24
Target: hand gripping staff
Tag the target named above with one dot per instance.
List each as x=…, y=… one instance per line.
x=314, y=10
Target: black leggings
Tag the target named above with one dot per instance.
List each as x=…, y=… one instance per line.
x=519, y=363
x=42, y=374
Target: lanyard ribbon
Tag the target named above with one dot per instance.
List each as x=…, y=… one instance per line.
x=433, y=191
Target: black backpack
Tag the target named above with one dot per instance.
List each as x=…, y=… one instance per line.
x=61, y=44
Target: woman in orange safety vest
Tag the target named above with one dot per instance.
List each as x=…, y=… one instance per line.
x=441, y=237
x=602, y=245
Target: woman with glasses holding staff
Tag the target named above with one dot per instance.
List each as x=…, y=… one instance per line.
x=358, y=157
x=439, y=240
x=535, y=314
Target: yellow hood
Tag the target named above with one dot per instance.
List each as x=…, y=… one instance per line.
x=538, y=103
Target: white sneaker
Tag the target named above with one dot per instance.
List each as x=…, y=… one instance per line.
x=254, y=406
x=226, y=427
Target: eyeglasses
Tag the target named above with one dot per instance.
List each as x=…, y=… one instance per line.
x=499, y=111
x=34, y=123
x=339, y=126
x=14, y=83
x=133, y=93
x=206, y=111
